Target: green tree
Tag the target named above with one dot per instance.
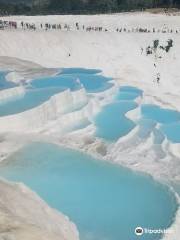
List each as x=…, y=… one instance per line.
x=103, y=5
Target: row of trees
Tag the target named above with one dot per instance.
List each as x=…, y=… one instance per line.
x=103, y=6
x=80, y=6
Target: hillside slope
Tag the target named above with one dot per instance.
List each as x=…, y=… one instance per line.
x=120, y=55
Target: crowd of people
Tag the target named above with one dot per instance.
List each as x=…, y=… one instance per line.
x=8, y=24
x=76, y=26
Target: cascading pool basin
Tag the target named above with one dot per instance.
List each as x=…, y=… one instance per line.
x=128, y=93
x=74, y=81
x=40, y=90
x=4, y=84
x=31, y=99
x=131, y=89
x=172, y=131
x=159, y=114
x=111, y=123
x=168, y=120
x=126, y=96
x=105, y=201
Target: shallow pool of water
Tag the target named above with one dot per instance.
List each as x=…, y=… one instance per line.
x=128, y=93
x=172, y=131
x=74, y=81
x=29, y=100
x=79, y=70
x=122, y=95
x=105, y=201
x=159, y=114
x=40, y=90
x=111, y=123
x=4, y=84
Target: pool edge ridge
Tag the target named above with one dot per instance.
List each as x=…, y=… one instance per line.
x=22, y=223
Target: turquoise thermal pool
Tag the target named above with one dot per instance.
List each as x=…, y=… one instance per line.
x=79, y=70
x=105, y=201
x=172, y=131
x=111, y=122
x=159, y=114
x=4, y=84
x=128, y=93
x=169, y=121
x=91, y=82
x=40, y=90
x=32, y=98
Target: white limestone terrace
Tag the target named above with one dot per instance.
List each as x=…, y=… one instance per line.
x=35, y=118
x=120, y=55
x=38, y=120
x=23, y=215
x=117, y=54
x=23, y=69
x=65, y=108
